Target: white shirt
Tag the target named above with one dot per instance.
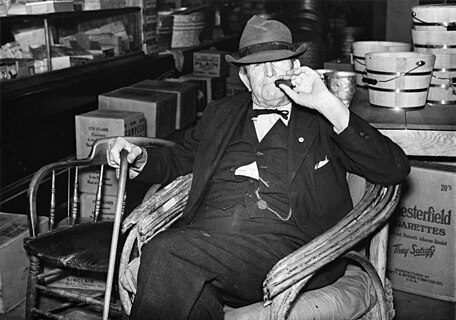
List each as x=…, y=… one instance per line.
x=263, y=123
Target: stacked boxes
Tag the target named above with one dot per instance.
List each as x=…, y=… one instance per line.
x=186, y=98
x=103, y=4
x=11, y=68
x=209, y=88
x=14, y=261
x=210, y=63
x=422, y=240
x=234, y=84
x=92, y=126
x=149, y=18
x=159, y=108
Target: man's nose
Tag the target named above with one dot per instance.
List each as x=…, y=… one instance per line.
x=269, y=69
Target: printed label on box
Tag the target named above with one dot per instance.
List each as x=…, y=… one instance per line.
x=88, y=202
x=98, y=124
x=422, y=240
x=210, y=63
x=93, y=281
x=89, y=179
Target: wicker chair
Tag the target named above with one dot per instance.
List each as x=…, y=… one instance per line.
x=282, y=286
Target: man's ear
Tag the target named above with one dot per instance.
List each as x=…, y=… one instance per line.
x=244, y=79
x=296, y=63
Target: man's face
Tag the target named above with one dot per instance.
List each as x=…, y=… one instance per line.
x=259, y=79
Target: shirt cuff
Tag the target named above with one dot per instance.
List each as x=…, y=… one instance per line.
x=137, y=166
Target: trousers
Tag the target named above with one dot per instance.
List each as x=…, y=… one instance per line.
x=222, y=258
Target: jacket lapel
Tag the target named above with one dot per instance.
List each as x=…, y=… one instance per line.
x=302, y=134
x=217, y=138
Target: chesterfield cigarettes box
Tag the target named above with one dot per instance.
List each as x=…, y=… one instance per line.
x=422, y=240
x=210, y=63
x=98, y=124
x=159, y=108
x=186, y=98
x=14, y=261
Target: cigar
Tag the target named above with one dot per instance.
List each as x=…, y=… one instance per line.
x=285, y=82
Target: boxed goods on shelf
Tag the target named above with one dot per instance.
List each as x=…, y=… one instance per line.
x=14, y=260
x=42, y=7
x=186, y=98
x=209, y=88
x=103, y=4
x=159, y=108
x=422, y=240
x=15, y=68
x=210, y=63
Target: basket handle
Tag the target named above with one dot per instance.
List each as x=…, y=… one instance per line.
x=419, y=64
x=450, y=26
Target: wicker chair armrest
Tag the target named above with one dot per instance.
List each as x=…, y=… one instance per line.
x=290, y=274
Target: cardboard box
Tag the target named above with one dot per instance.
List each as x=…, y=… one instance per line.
x=15, y=68
x=87, y=206
x=97, y=124
x=159, y=108
x=103, y=4
x=186, y=98
x=88, y=180
x=209, y=88
x=14, y=261
x=65, y=280
x=43, y=7
x=232, y=89
x=210, y=63
x=422, y=240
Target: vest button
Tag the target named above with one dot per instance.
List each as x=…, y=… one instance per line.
x=301, y=139
x=259, y=154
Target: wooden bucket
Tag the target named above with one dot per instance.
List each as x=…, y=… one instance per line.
x=435, y=42
x=437, y=17
x=187, y=29
x=360, y=48
x=398, y=79
x=442, y=89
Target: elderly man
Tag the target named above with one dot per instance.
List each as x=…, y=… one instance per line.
x=269, y=175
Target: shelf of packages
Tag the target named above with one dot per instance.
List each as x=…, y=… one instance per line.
x=50, y=18
x=422, y=132
x=38, y=111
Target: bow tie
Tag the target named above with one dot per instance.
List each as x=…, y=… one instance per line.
x=283, y=113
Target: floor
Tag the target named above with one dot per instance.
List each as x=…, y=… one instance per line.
x=408, y=307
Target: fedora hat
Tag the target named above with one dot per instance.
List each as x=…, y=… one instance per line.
x=265, y=40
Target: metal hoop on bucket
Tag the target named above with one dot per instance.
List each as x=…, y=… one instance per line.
x=396, y=74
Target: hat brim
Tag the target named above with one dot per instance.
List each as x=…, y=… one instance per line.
x=265, y=56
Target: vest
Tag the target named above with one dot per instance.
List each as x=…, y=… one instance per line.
x=271, y=155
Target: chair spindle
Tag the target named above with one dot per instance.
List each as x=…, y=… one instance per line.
x=96, y=213
x=74, y=207
x=52, y=206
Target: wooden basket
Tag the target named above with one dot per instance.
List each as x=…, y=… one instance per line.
x=437, y=17
x=442, y=88
x=398, y=79
x=435, y=42
x=187, y=29
x=360, y=48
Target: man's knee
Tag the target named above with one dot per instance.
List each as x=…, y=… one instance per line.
x=162, y=244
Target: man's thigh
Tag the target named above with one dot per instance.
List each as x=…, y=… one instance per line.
x=235, y=263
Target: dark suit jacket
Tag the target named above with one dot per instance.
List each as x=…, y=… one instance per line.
x=318, y=160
